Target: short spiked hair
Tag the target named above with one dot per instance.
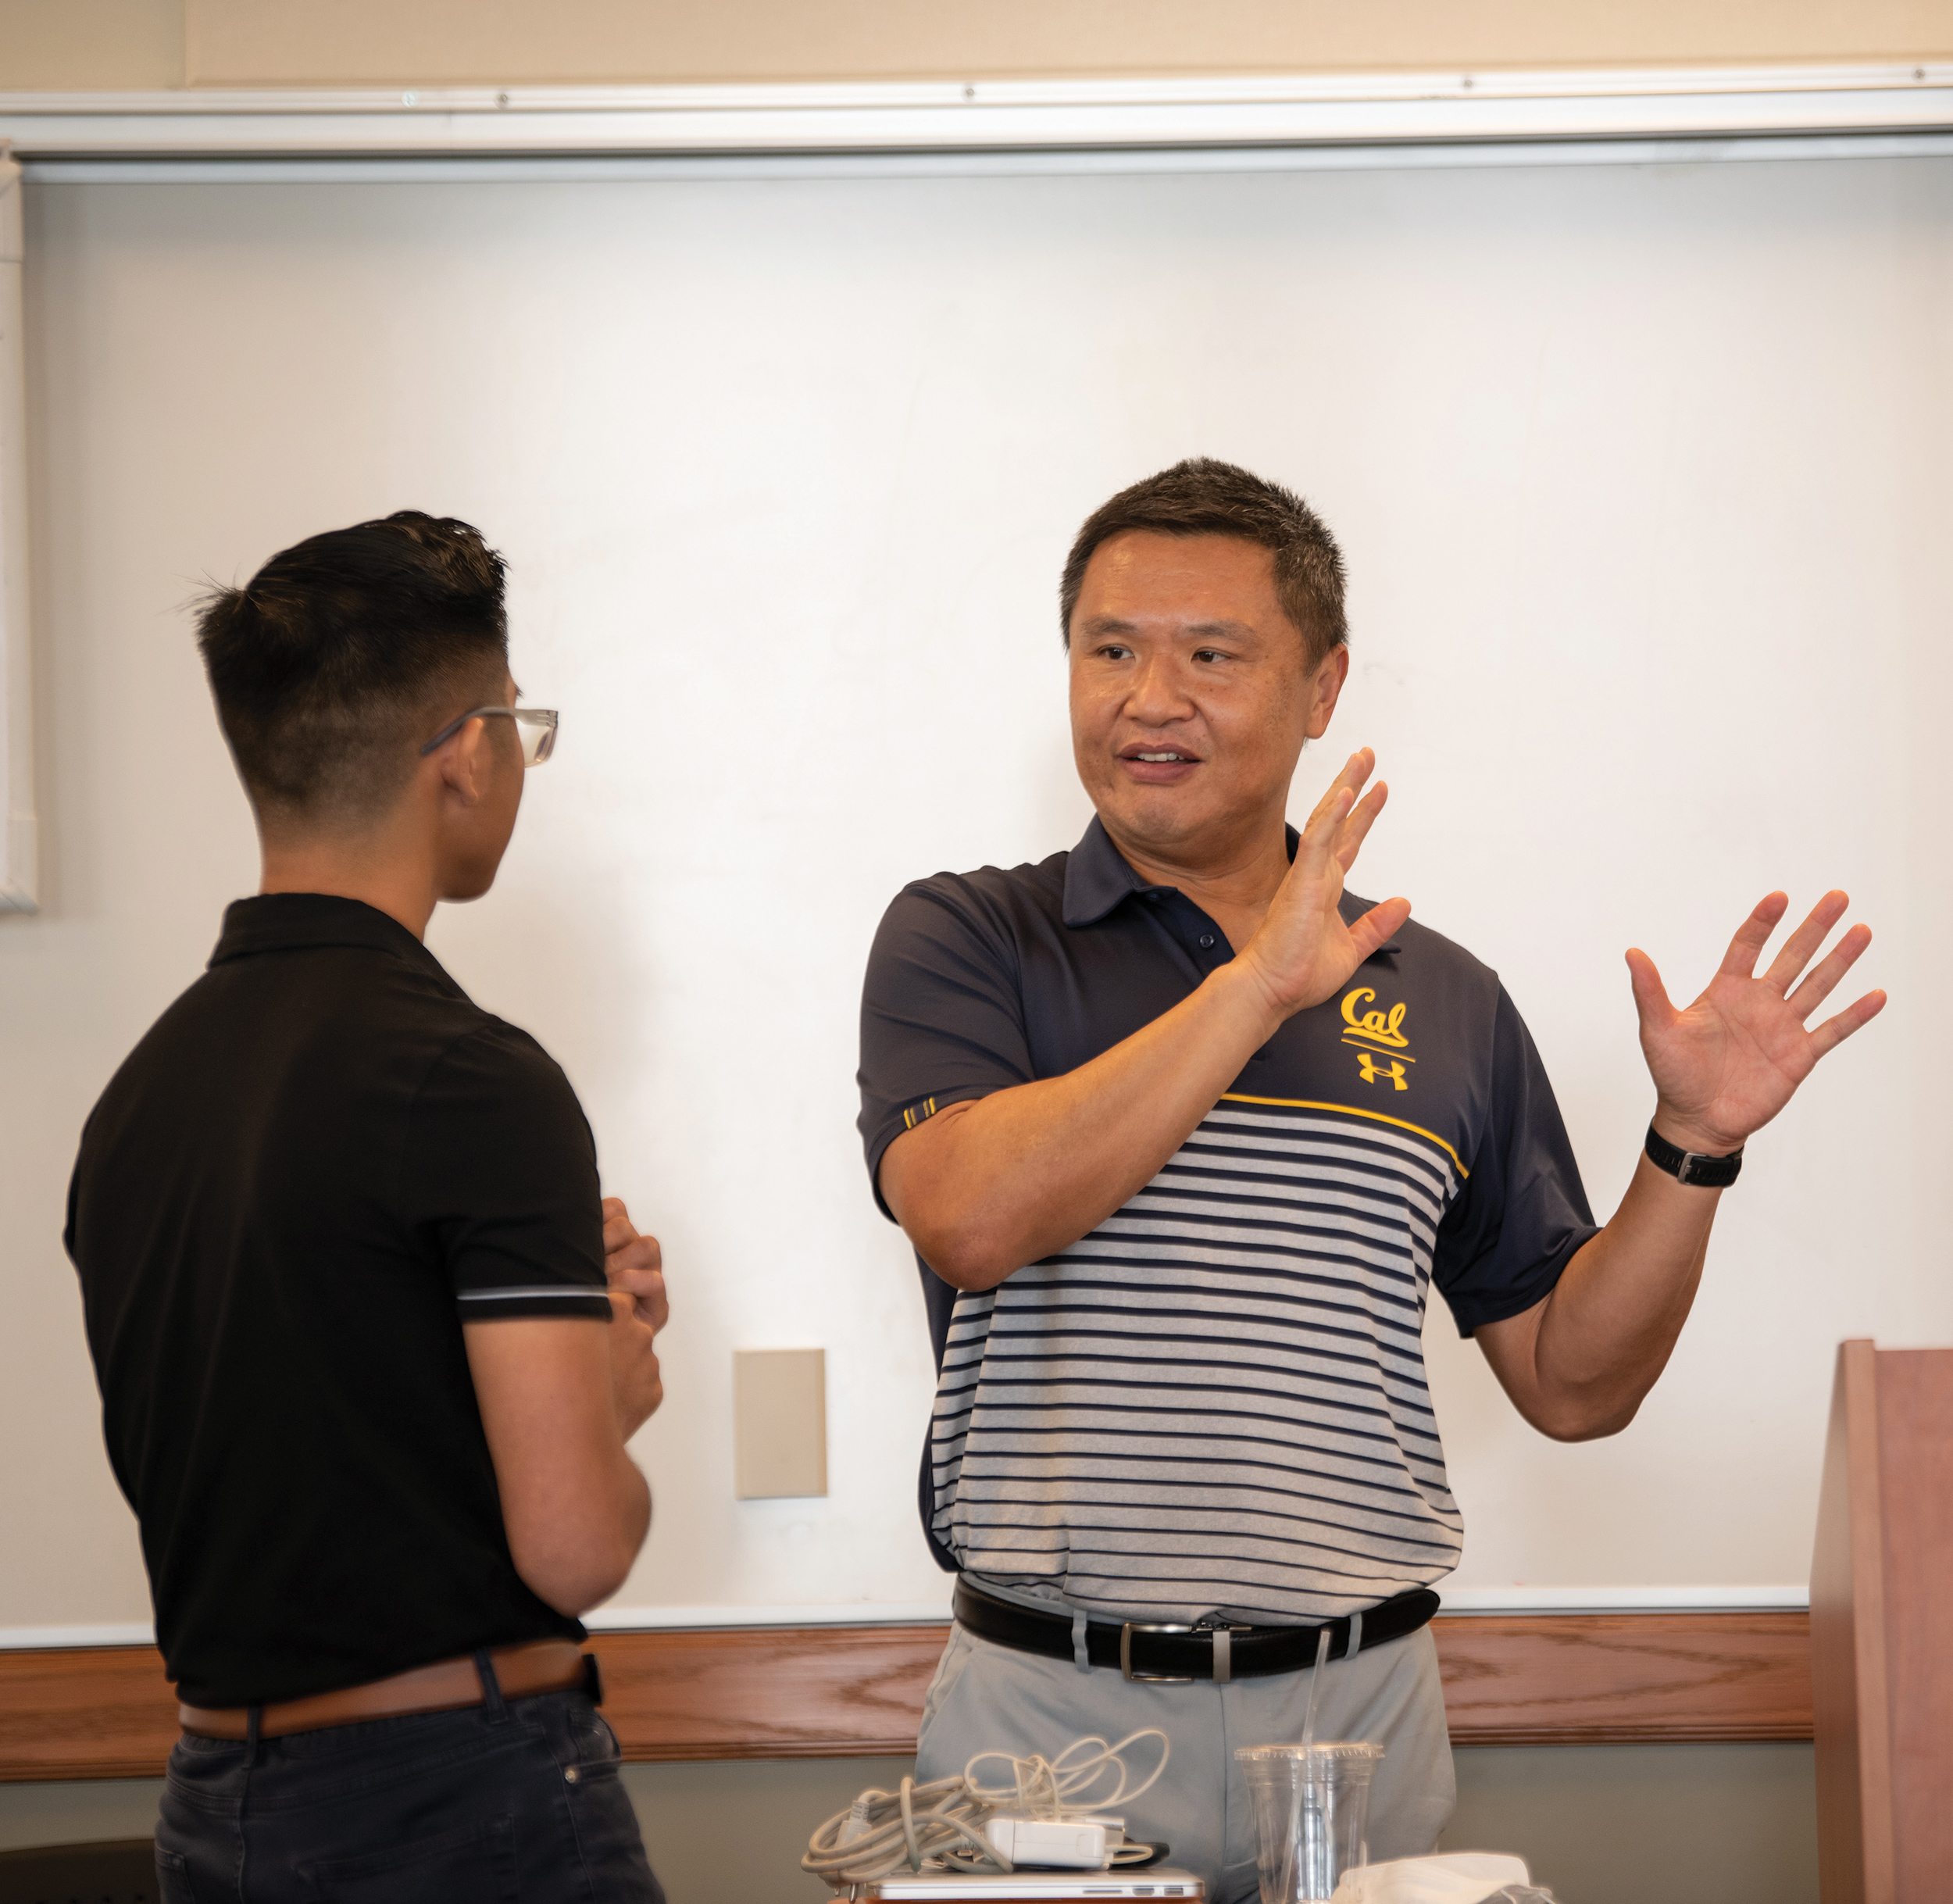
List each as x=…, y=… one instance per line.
x=324, y=665
x=1201, y=496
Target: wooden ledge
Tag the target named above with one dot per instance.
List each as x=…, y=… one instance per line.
x=857, y=1691
x=1603, y=1679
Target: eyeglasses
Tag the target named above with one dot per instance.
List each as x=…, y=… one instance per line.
x=536, y=726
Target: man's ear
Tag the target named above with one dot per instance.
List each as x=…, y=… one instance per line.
x=1324, y=687
x=465, y=763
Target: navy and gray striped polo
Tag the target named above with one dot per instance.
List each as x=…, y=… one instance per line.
x=1216, y=1403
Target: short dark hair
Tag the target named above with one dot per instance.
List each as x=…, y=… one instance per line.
x=1202, y=496
x=324, y=664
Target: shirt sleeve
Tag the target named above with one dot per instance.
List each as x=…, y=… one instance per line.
x=1508, y=1237
x=500, y=1171
x=942, y=1015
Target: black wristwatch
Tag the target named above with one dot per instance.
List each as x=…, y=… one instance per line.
x=1692, y=1166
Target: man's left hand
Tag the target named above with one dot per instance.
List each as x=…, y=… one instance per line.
x=634, y=1264
x=1724, y=1068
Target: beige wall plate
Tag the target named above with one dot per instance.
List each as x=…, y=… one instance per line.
x=779, y=1423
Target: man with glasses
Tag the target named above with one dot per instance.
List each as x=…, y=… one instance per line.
x=370, y=1342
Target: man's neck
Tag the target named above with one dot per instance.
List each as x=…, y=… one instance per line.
x=1232, y=879
x=361, y=868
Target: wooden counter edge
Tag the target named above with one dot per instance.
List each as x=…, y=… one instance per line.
x=728, y=1693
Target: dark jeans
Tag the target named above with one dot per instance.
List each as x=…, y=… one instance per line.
x=514, y=1802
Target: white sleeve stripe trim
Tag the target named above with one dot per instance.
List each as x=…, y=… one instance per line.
x=553, y=1292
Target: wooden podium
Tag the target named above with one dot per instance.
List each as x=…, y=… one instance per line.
x=1882, y=1631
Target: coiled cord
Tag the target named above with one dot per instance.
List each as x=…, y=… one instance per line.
x=882, y=1832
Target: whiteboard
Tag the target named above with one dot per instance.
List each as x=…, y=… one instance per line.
x=18, y=837
x=1640, y=472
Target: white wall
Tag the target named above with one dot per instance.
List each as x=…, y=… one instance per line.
x=1737, y=1823
x=1641, y=474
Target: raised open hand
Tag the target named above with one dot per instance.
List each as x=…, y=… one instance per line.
x=1724, y=1068
x=1302, y=951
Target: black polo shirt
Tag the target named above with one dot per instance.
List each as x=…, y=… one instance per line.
x=1216, y=1401
x=320, y=1161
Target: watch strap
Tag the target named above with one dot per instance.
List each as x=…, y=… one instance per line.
x=1695, y=1167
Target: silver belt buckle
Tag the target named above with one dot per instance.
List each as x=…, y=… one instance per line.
x=1125, y=1653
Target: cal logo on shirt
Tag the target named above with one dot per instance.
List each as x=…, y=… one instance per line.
x=1376, y=1035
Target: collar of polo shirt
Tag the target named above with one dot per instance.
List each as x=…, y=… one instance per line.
x=1098, y=878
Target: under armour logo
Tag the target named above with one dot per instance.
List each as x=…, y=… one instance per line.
x=1372, y=1072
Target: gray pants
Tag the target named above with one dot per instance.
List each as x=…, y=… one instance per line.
x=987, y=1697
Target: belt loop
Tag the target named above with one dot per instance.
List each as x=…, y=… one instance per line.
x=1081, y=1653
x=1223, y=1655
x=491, y=1687
x=1356, y=1637
x=254, y=1718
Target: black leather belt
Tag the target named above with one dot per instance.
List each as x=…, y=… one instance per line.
x=1149, y=1650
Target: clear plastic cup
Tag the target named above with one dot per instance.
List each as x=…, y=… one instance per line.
x=1311, y=1816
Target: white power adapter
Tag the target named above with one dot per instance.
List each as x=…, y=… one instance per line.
x=1079, y=1845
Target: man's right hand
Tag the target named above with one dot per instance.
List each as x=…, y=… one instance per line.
x=634, y=1267
x=633, y=1262
x=987, y=1185
x=1303, y=952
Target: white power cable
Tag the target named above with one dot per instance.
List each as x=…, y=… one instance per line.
x=1057, y=1788
x=882, y=1832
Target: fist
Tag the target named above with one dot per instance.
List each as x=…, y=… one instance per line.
x=634, y=1265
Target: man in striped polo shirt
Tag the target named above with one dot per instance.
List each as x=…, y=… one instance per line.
x=1184, y=1133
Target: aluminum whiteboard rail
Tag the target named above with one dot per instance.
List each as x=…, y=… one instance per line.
x=1458, y=108
x=1533, y=1600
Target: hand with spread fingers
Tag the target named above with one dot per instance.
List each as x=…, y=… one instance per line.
x=1303, y=951
x=1728, y=1064
x=1578, y=1363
